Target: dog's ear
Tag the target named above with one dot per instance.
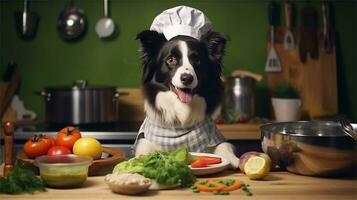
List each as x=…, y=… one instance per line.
x=215, y=43
x=151, y=42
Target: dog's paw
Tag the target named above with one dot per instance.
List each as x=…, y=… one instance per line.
x=234, y=161
x=226, y=150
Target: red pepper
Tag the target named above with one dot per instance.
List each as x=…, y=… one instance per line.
x=204, y=161
x=210, y=160
x=199, y=163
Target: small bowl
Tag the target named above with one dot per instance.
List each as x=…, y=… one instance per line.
x=316, y=148
x=63, y=171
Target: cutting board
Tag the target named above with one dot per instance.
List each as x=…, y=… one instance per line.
x=316, y=79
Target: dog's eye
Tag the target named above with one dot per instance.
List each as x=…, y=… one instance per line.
x=171, y=61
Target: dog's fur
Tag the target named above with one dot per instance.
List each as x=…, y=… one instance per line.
x=181, y=83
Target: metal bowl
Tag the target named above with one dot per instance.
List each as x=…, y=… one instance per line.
x=316, y=148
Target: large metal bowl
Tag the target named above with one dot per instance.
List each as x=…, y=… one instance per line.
x=316, y=148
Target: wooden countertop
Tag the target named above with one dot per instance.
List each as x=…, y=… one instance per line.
x=277, y=185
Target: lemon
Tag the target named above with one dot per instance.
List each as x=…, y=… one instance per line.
x=87, y=146
x=256, y=167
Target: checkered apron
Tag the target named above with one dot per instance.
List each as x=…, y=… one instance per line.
x=202, y=137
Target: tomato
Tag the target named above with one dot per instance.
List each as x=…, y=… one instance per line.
x=67, y=137
x=89, y=147
x=48, y=139
x=37, y=146
x=58, y=150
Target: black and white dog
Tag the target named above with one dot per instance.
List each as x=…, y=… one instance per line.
x=182, y=87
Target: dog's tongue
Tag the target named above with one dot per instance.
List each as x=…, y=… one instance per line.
x=183, y=96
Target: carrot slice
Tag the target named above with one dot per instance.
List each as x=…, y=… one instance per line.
x=233, y=185
x=237, y=184
x=210, y=187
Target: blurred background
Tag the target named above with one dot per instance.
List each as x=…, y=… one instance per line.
x=47, y=59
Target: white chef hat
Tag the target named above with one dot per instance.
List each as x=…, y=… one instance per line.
x=181, y=20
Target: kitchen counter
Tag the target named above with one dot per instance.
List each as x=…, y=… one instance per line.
x=277, y=185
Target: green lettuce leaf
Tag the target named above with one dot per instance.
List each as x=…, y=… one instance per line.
x=167, y=168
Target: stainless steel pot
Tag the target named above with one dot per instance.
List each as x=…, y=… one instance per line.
x=240, y=94
x=316, y=148
x=81, y=104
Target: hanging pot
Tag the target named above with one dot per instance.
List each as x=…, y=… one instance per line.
x=72, y=22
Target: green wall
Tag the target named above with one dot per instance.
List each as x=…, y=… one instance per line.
x=47, y=60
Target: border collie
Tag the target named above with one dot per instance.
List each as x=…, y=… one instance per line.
x=182, y=87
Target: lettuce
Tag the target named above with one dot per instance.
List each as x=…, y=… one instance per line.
x=167, y=168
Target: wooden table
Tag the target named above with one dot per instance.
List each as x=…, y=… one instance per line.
x=277, y=185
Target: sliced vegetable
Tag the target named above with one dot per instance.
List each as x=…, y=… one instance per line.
x=204, y=161
x=210, y=187
x=210, y=160
x=199, y=164
x=218, y=186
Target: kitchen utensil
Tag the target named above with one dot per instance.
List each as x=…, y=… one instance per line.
x=289, y=42
x=72, y=22
x=80, y=104
x=105, y=26
x=240, y=95
x=326, y=17
x=26, y=22
x=347, y=127
x=308, y=34
x=110, y=157
x=273, y=62
x=316, y=148
x=63, y=171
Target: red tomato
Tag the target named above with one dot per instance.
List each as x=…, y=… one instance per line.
x=67, y=137
x=58, y=150
x=37, y=146
x=48, y=139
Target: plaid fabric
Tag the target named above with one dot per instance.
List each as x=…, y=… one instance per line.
x=199, y=138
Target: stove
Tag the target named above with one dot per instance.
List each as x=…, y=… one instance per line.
x=116, y=135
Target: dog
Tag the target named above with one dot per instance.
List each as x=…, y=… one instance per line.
x=182, y=88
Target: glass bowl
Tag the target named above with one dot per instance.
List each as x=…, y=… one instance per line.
x=63, y=171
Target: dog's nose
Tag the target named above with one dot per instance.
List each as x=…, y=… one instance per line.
x=186, y=79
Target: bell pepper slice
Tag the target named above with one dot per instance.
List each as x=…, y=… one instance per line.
x=210, y=160
x=199, y=163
